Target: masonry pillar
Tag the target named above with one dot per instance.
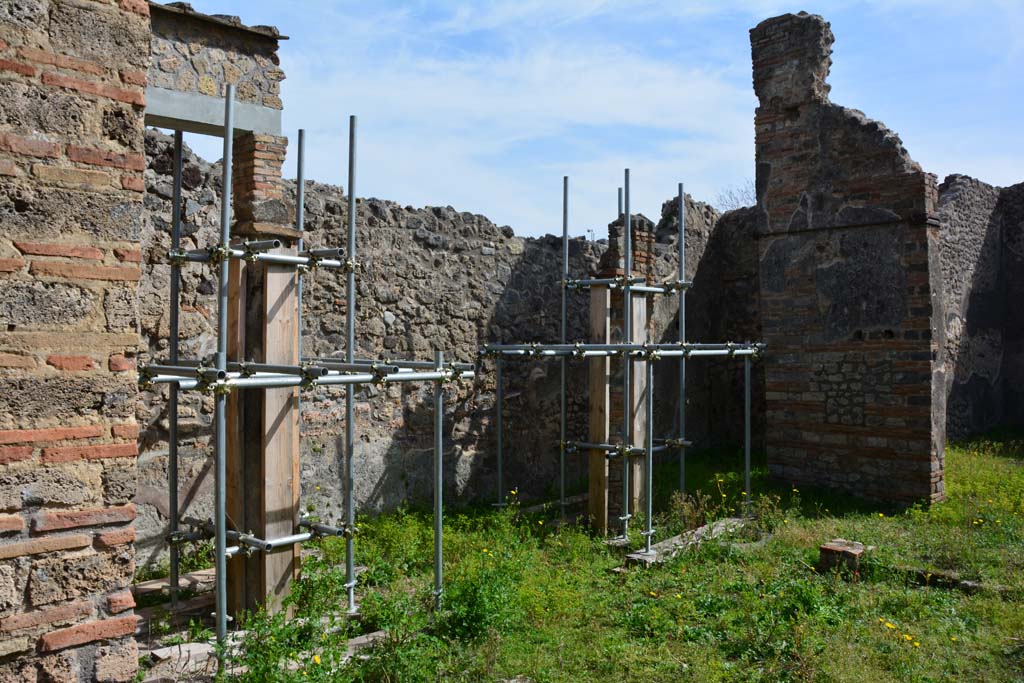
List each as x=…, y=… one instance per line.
x=850, y=283
x=263, y=437
x=608, y=405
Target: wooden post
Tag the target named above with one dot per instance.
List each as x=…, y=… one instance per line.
x=638, y=402
x=263, y=426
x=599, y=398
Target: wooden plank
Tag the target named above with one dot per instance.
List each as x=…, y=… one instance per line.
x=599, y=408
x=280, y=452
x=235, y=462
x=640, y=334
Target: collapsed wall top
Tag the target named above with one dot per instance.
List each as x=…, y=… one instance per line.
x=850, y=283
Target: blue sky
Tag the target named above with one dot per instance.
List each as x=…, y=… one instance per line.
x=486, y=105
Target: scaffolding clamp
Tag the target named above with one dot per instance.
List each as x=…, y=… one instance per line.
x=349, y=531
x=351, y=266
x=577, y=350
x=535, y=349
x=177, y=257
x=218, y=254
x=732, y=348
x=571, y=284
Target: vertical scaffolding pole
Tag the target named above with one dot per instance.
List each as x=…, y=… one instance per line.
x=220, y=453
x=649, y=459
x=172, y=408
x=627, y=337
x=350, y=356
x=682, y=338
x=300, y=223
x=746, y=433
x=564, y=339
x=500, y=408
x=438, y=478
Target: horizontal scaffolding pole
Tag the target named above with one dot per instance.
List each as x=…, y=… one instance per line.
x=214, y=255
x=321, y=529
x=401, y=364
x=270, y=380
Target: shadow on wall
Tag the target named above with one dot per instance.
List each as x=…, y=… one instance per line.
x=982, y=257
x=436, y=278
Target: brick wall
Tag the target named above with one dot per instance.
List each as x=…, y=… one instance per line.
x=71, y=161
x=850, y=282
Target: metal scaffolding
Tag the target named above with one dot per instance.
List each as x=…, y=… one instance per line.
x=219, y=376
x=627, y=350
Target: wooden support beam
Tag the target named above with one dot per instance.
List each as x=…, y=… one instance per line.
x=263, y=433
x=638, y=402
x=599, y=399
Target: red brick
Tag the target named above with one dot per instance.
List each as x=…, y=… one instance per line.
x=10, y=265
x=140, y=7
x=125, y=431
x=129, y=255
x=75, y=271
x=80, y=178
x=33, y=147
x=54, y=434
x=134, y=78
x=37, y=546
x=97, y=452
x=134, y=183
x=90, y=632
x=9, y=454
x=72, y=611
x=57, y=249
x=120, y=602
x=95, y=88
x=70, y=363
x=58, y=520
x=9, y=523
x=9, y=168
x=14, y=360
x=63, y=61
x=102, y=157
x=120, y=363
x=18, y=67
x=110, y=539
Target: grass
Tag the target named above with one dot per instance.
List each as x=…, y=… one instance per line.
x=526, y=599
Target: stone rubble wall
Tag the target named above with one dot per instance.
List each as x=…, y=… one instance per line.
x=433, y=278
x=194, y=55
x=1011, y=212
x=975, y=305
x=72, y=76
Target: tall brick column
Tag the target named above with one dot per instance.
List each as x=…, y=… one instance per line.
x=71, y=83
x=606, y=485
x=263, y=446
x=850, y=282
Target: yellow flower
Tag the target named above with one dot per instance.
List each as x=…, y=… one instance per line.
x=881, y=514
x=881, y=620
x=483, y=550
x=907, y=636
x=540, y=521
x=316, y=658
x=653, y=594
x=953, y=638
x=679, y=596
x=917, y=644
x=890, y=625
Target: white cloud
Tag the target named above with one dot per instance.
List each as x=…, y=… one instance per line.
x=485, y=106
